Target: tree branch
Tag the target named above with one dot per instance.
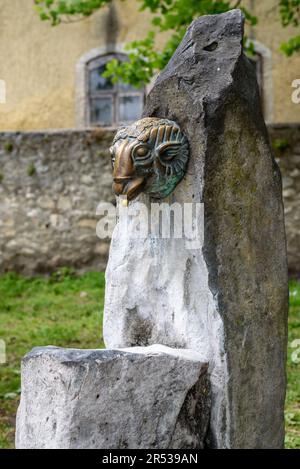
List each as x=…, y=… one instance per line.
x=238, y=2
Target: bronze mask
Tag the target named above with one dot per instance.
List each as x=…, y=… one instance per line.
x=149, y=156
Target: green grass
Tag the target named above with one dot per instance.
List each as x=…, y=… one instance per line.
x=62, y=310
x=66, y=310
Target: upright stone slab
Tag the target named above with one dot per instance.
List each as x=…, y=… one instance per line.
x=228, y=300
x=153, y=397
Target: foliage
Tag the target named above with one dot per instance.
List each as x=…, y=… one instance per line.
x=290, y=16
x=290, y=12
x=291, y=46
x=280, y=144
x=8, y=147
x=58, y=11
x=145, y=60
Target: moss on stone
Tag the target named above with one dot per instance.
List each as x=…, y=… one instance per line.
x=31, y=170
x=8, y=147
x=280, y=145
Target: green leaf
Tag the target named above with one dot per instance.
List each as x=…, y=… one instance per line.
x=291, y=46
x=172, y=16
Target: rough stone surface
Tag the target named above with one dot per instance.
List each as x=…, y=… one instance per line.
x=229, y=299
x=50, y=186
x=152, y=397
x=286, y=143
x=32, y=207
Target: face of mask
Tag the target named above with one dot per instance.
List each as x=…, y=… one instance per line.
x=149, y=156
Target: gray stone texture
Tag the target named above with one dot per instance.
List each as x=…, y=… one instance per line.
x=228, y=300
x=44, y=218
x=50, y=186
x=152, y=397
x=286, y=143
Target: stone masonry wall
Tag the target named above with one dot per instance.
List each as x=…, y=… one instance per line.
x=50, y=186
x=286, y=143
x=52, y=182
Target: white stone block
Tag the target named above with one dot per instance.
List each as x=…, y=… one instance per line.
x=152, y=397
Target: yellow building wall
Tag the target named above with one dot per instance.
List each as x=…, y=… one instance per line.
x=37, y=61
x=270, y=33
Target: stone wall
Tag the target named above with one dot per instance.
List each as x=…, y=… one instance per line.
x=286, y=143
x=52, y=182
x=50, y=186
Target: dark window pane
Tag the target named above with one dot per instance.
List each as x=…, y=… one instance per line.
x=125, y=87
x=97, y=82
x=101, y=111
x=130, y=108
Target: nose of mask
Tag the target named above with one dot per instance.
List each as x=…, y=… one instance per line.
x=129, y=187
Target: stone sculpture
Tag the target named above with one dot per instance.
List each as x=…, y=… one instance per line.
x=223, y=303
x=150, y=156
x=227, y=300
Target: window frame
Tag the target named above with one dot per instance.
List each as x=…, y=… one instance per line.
x=115, y=93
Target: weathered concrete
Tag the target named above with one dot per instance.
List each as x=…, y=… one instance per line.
x=229, y=299
x=153, y=397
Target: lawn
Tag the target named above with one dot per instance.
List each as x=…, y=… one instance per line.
x=292, y=407
x=66, y=310
x=62, y=310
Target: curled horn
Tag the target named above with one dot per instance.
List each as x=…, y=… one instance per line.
x=171, y=148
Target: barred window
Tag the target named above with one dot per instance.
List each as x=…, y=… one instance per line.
x=111, y=104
